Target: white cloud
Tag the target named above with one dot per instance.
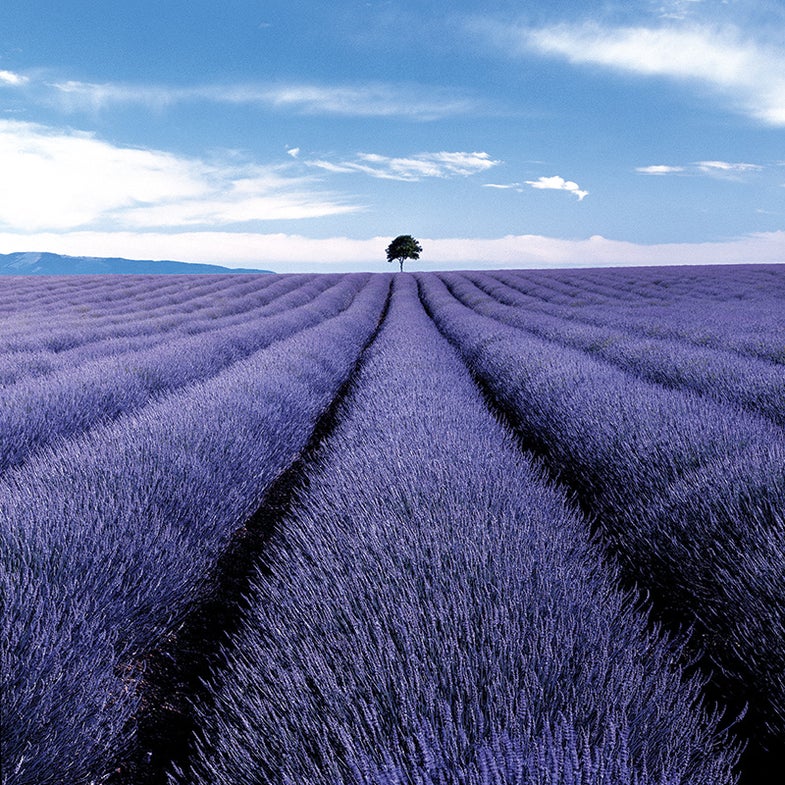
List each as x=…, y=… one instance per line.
x=659, y=169
x=677, y=9
x=65, y=179
x=503, y=186
x=367, y=100
x=12, y=79
x=557, y=183
x=750, y=74
x=725, y=167
x=295, y=253
x=662, y=51
x=76, y=95
x=293, y=151
x=412, y=168
x=714, y=168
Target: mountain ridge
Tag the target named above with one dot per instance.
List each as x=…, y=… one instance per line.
x=45, y=263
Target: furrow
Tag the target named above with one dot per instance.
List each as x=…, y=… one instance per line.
x=687, y=496
x=108, y=541
x=38, y=413
x=432, y=611
x=746, y=383
x=175, y=672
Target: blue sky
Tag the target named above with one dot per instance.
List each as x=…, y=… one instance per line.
x=304, y=136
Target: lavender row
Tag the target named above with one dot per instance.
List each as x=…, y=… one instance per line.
x=60, y=334
x=142, y=332
x=36, y=291
x=43, y=350
x=688, y=494
x=666, y=306
x=707, y=307
x=432, y=611
x=98, y=297
x=39, y=412
x=60, y=337
x=74, y=345
x=747, y=382
x=115, y=295
x=643, y=286
x=109, y=539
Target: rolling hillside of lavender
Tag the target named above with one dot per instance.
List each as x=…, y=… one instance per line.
x=457, y=528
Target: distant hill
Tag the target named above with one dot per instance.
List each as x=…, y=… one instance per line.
x=56, y=264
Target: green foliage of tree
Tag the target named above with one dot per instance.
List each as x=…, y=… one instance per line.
x=403, y=247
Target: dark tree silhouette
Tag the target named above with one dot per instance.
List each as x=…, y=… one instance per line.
x=403, y=247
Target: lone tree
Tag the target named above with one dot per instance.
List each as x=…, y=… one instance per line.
x=403, y=247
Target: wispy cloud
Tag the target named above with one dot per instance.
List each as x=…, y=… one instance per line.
x=724, y=169
x=366, y=100
x=659, y=169
x=13, y=79
x=62, y=180
x=748, y=73
x=411, y=168
x=677, y=9
x=553, y=183
x=504, y=186
x=556, y=183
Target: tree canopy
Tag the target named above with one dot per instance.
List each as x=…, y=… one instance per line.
x=403, y=247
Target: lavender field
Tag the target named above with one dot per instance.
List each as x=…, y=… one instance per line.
x=468, y=528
